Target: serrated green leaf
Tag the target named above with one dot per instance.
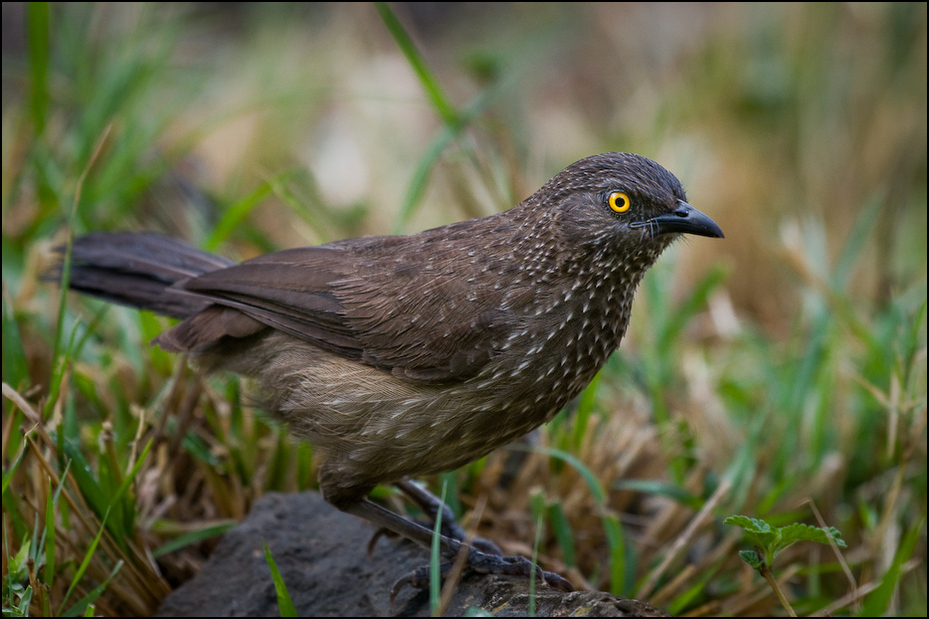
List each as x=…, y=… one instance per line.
x=797, y=532
x=771, y=541
x=751, y=557
x=758, y=530
x=751, y=525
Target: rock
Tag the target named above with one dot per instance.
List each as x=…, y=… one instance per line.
x=322, y=556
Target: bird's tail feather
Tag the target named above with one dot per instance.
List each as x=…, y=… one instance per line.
x=139, y=269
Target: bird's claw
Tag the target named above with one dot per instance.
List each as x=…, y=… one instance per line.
x=484, y=563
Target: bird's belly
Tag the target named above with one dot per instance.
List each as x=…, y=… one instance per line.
x=368, y=423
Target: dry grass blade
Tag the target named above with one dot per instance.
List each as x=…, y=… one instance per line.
x=680, y=543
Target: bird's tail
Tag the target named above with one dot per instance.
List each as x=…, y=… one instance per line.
x=139, y=269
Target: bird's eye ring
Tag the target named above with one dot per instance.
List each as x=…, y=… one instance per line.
x=619, y=201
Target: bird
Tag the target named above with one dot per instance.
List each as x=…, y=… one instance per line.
x=402, y=356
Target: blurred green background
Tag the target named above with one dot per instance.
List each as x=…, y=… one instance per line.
x=777, y=118
x=789, y=358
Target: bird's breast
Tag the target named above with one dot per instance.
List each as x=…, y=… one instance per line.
x=560, y=342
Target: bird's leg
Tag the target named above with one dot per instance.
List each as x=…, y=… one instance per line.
x=404, y=527
x=430, y=504
x=477, y=561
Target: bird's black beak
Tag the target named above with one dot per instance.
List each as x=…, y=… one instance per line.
x=684, y=219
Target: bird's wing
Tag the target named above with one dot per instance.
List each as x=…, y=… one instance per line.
x=383, y=303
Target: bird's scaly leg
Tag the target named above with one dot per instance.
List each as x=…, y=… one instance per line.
x=477, y=560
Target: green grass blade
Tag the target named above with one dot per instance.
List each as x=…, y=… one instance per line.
x=193, y=537
x=50, y=528
x=11, y=470
x=279, y=185
x=49, y=574
x=455, y=121
x=85, y=563
x=861, y=233
x=621, y=574
x=426, y=77
x=660, y=488
x=539, y=527
x=234, y=216
x=450, y=481
x=435, y=557
x=13, y=510
x=84, y=606
x=38, y=27
x=417, y=186
x=878, y=602
x=124, y=506
x=433, y=152
x=15, y=367
x=562, y=530
x=585, y=408
x=620, y=578
x=596, y=489
x=284, y=603
x=695, y=303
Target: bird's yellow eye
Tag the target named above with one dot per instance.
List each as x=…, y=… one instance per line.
x=619, y=202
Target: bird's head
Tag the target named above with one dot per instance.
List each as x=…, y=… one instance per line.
x=616, y=200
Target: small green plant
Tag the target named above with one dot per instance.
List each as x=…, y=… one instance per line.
x=771, y=540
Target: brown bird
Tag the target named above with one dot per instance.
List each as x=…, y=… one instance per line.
x=398, y=356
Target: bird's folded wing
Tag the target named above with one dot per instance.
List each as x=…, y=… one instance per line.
x=418, y=324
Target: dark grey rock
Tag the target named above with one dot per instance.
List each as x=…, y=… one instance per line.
x=322, y=556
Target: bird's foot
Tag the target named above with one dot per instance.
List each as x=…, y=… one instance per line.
x=476, y=560
x=484, y=563
x=431, y=505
